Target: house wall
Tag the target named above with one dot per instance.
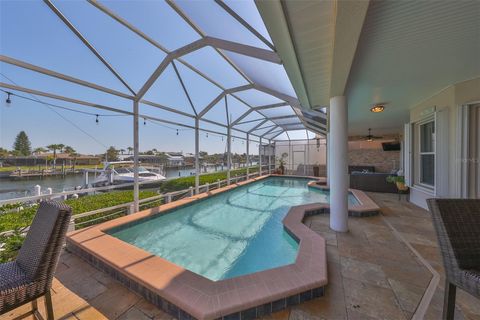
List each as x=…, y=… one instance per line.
x=449, y=99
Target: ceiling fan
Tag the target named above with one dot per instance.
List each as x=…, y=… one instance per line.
x=370, y=137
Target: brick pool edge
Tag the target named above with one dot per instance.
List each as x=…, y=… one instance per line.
x=187, y=295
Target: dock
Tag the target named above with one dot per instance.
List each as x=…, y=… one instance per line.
x=20, y=174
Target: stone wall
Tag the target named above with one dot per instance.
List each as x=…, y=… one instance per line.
x=370, y=153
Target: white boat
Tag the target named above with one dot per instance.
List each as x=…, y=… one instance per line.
x=118, y=172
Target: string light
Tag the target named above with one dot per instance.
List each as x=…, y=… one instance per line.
x=177, y=132
x=144, y=121
x=96, y=119
x=8, y=101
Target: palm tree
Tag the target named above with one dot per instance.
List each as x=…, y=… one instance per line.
x=69, y=150
x=39, y=150
x=54, y=148
x=122, y=151
x=130, y=150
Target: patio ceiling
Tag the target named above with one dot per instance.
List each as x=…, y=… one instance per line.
x=399, y=52
x=180, y=61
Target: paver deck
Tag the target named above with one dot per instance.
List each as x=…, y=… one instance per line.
x=373, y=274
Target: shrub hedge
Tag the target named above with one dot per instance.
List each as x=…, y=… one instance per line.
x=187, y=182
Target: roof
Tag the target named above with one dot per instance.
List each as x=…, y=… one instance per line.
x=215, y=60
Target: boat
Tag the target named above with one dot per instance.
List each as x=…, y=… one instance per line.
x=121, y=172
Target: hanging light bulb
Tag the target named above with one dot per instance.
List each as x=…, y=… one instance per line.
x=222, y=138
x=177, y=132
x=96, y=119
x=207, y=134
x=8, y=101
x=144, y=121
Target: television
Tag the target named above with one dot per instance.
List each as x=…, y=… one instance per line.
x=391, y=146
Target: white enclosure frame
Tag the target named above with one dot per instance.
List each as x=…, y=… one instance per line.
x=198, y=112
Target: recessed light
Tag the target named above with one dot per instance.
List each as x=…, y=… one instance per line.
x=377, y=108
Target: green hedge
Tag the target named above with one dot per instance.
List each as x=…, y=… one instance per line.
x=23, y=218
x=18, y=220
x=187, y=182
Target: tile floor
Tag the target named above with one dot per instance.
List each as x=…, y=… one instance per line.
x=373, y=274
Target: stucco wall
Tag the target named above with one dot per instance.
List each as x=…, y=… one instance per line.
x=449, y=99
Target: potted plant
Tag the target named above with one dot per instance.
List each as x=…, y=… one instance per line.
x=399, y=182
x=281, y=166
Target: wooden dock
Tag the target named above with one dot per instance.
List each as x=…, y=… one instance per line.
x=19, y=174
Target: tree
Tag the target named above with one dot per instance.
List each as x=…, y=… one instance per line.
x=39, y=150
x=69, y=150
x=112, y=154
x=22, y=144
x=162, y=157
x=130, y=149
x=4, y=153
x=54, y=148
x=122, y=151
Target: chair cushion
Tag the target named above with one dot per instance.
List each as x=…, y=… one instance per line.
x=471, y=281
x=11, y=276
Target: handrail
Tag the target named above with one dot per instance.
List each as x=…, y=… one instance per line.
x=71, y=192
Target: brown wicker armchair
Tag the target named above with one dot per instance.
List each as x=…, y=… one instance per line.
x=457, y=222
x=30, y=276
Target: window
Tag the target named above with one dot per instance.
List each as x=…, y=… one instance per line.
x=427, y=153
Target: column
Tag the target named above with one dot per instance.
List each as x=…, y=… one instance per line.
x=135, y=158
x=197, y=160
x=229, y=152
x=338, y=149
x=327, y=159
x=269, y=157
x=260, y=157
x=248, y=155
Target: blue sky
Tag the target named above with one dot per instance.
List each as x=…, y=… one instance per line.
x=31, y=32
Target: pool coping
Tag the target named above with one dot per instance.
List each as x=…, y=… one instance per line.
x=187, y=295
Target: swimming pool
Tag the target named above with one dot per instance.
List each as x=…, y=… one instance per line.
x=233, y=233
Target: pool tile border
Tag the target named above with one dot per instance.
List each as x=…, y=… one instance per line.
x=187, y=295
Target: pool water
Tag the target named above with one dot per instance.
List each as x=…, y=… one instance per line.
x=234, y=233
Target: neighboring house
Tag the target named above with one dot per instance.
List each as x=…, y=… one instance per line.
x=175, y=159
x=189, y=158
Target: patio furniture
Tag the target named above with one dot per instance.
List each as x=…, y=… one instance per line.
x=457, y=222
x=372, y=181
x=30, y=276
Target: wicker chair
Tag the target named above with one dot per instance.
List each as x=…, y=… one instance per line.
x=457, y=222
x=30, y=276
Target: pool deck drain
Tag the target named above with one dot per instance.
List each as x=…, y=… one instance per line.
x=187, y=295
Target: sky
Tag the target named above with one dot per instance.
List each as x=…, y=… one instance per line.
x=31, y=32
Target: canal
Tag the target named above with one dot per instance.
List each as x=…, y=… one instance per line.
x=10, y=189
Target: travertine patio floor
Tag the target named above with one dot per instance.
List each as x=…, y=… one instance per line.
x=373, y=274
